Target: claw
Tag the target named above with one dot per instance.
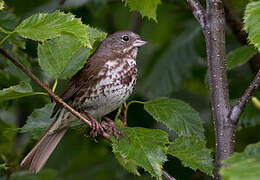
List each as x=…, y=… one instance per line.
x=97, y=129
x=109, y=125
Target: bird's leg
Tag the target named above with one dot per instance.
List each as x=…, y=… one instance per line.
x=110, y=126
x=123, y=115
x=96, y=127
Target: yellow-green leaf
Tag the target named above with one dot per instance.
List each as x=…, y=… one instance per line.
x=252, y=25
x=43, y=26
x=147, y=8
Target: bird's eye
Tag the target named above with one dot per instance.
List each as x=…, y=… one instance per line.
x=125, y=38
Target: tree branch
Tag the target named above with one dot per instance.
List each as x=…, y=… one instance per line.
x=214, y=31
x=239, y=107
x=167, y=176
x=215, y=42
x=49, y=91
x=198, y=12
x=60, y=101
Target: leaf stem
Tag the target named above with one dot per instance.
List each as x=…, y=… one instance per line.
x=40, y=93
x=55, y=85
x=132, y=102
x=4, y=39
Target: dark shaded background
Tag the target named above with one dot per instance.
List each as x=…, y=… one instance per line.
x=172, y=65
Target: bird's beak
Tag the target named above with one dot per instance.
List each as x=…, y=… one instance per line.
x=139, y=43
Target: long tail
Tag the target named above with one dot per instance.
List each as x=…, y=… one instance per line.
x=41, y=152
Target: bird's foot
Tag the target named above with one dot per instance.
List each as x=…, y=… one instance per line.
x=97, y=128
x=110, y=126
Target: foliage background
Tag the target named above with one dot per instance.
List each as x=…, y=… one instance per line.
x=172, y=65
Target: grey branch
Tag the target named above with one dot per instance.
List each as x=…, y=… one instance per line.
x=167, y=176
x=213, y=26
x=215, y=41
x=239, y=107
x=198, y=12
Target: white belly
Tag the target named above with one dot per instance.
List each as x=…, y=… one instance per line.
x=113, y=90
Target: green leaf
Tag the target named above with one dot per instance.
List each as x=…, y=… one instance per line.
x=240, y=56
x=76, y=62
x=145, y=7
x=41, y=27
x=55, y=55
x=21, y=90
x=129, y=165
x=3, y=166
x=251, y=21
x=193, y=153
x=176, y=115
x=142, y=147
x=2, y=5
x=243, y=165
x=38, y=121
x=8, y=21
x=95, y=35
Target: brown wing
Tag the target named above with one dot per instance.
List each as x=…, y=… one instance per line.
x=85, y=77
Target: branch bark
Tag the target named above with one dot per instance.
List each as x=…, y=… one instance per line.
x=215, y=42
x=49, y=91
x=60, y=101
x=240, y=106
x=198, y=12
x=214, y=31
x=167, y=176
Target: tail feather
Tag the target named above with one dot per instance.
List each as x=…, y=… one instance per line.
x=41, y=152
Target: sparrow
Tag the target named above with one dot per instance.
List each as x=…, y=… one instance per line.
x=105, y=82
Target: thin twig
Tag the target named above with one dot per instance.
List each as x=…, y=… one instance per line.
x=46, y=88
x=167, y=176
x=198, y=12
x=239, y=107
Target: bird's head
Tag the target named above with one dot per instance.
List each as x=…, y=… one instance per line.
x=123, y=42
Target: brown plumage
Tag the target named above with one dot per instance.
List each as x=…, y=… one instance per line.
x=102, y=85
